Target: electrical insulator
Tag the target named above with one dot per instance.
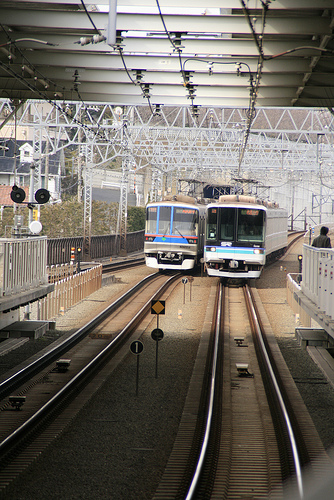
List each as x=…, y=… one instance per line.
x=98, y=38
x=84, y=40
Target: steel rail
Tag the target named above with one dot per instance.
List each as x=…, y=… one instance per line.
x=200, y=463
x=24, y=430
x=116, y=266
x=294, y=237
x=18, y=378
x=280, y=398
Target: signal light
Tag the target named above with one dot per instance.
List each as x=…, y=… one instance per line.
x=17, y=194
x=42, y=196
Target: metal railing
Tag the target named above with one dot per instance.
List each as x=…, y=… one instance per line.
x=22, y=264
x=59, y=249
x=318, y=277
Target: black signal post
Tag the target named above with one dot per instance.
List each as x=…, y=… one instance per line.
x=79, y=259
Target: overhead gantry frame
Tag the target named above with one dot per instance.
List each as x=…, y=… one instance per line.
x=176, y=143
x=225, y=52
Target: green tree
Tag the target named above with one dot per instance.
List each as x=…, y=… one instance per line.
x=104, y=218
x=65, y=219
x=62, y=219
x=136, y=219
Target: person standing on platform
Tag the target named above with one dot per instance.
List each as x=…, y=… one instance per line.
x=323, y=240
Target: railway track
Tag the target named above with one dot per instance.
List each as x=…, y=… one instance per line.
x=46, y=392
x=122, y=264
x=255, y=436
x=172, y=489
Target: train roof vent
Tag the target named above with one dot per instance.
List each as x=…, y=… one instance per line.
x=182, y=198
x=232, y=198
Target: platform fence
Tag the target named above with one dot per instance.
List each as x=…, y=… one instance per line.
x=69, y=292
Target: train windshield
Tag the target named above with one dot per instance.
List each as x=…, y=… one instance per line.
x=185, y=221
x=250, y=225
x=164, y=220
x=222, y=227
x=151, y=220
x=235, y=224
x=158, y=220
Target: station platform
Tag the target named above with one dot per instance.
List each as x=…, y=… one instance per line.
x=23, y=280
x=310, y=294
x=315, y=332
x=16, y=300
x=312, y=312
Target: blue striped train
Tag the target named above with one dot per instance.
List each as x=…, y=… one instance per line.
x=174, y=233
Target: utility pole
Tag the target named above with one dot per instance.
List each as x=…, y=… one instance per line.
x=123, y=201
x=319, y=163
x=80, y=155
x=123, y=206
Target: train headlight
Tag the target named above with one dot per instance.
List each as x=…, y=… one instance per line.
x=258, y=251
x=212, y=249
x=149, y=238
x=192, y=241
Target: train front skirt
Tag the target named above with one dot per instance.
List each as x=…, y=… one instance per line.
x=238, y=262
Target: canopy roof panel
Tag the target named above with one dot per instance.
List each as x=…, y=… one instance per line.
x=208, y=53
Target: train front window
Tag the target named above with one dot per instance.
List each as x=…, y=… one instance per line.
x=211, y=225
x=185, y=221
x=226, y=227
x=164, y=220
x=151, y=220
x=250, y=225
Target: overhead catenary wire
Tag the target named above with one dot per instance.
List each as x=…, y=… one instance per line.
x=141, y=85
x=90, y=18
x=49, y=100
x=179, y=52
x=254, y=87
x=26, y=64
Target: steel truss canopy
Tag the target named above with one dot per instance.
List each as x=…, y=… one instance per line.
x=237, y=53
